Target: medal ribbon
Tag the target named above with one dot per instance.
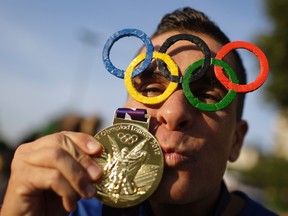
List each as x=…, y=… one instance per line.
x=132, y=114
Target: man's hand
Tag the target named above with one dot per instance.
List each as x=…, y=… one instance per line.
x=49, y=175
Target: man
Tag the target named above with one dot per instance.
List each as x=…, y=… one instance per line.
x=50, y=174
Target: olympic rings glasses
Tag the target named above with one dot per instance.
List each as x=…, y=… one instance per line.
x=193, y=72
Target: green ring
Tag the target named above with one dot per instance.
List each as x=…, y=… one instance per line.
x=199, y=104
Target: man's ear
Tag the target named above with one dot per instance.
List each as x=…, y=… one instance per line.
x=240, y=132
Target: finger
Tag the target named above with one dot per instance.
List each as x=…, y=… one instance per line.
x=67, y=141
x=88, y=144
x=62, y=161
x=85, y=142
x=93, y=169
x=59, y=192
x=43, y=179
x=60, y=186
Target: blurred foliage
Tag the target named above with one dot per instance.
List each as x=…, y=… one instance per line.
x=270, y=174
x=68, y=122
x=275, y=46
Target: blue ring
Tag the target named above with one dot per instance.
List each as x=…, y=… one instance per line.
x=124, y=33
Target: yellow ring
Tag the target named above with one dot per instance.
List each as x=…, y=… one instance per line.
x=157, y=99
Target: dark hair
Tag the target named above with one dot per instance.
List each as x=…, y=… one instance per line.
x=190, y=20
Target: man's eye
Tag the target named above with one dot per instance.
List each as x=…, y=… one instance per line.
x=208, y=97
x=152, y=90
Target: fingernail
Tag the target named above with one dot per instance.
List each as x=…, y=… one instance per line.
x=94, y=172
x=90, y=190
x=92, y=145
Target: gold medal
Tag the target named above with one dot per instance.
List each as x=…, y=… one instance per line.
x=132, y=163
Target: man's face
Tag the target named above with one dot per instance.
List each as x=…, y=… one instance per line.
x=196, y=144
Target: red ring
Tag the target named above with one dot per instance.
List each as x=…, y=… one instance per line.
x=264, y=67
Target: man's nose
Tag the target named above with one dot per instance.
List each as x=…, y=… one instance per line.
x=176, y=112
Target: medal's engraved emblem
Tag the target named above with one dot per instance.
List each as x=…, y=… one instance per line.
x=127, y=138
x=131, y=172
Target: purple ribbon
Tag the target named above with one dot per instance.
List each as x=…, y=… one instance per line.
x=133, y=114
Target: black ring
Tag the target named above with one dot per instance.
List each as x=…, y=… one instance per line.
x=194, y=39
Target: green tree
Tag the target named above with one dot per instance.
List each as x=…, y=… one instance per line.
x=270, y=174
x=275, y=45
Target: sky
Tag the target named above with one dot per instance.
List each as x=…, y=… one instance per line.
x=48, y=67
